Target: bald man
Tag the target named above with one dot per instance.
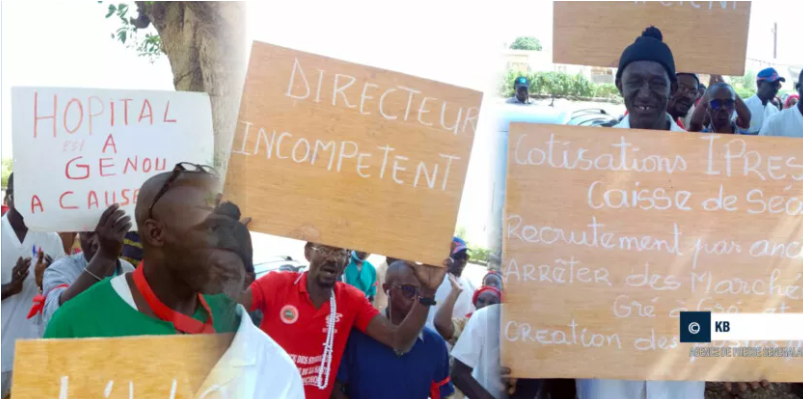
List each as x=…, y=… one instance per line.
x=372, y=370
x=194, y=260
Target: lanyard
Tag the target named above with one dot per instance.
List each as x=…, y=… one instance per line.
x=181, y=322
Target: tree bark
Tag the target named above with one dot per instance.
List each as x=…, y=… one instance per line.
x=205, y=44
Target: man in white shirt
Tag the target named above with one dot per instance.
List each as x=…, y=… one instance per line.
x=464, y=305
x=761, y=104
x=20, y=248
x=787, y=123
x=477, y=356
x=646, y=63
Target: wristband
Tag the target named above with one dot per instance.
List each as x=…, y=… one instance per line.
x=427, y=301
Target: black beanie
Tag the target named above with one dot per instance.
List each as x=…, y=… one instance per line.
x=649, y=47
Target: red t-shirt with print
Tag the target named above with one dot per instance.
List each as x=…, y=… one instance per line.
x=290, y=318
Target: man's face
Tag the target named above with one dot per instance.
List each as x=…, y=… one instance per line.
x=768, y=90
x=403, y=290
x=89, y=244
x=486, y=299
x=522, y=93
x=684, y=97
x=459, y=263
x=196, y=242
x=646, y=88
x=721, y=107
x=327, y=264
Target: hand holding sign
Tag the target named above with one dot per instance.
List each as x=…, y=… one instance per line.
x=431, y=276
x=111, y=231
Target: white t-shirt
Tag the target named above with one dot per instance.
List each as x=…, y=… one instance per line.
x=479, y=348
x=463, y=305
x=16, y=324
x=759, y=113
x=626, y=124
x=787, y=123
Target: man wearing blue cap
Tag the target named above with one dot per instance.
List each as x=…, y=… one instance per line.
x=761, y=104
x=459, y=253
x=521, y=86
x=788, y=122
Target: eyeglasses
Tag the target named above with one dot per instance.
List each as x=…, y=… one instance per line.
x=409, y=291
x=177, y=170
x=337, y=254
x=718, y=104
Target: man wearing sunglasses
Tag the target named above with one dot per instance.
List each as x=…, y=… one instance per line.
x=310, y=314
x=761, y=104
x=719, y=104
x=788, y=122
x=372, y=370
x=195, y=259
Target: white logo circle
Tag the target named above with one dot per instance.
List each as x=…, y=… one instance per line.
x=694, y=328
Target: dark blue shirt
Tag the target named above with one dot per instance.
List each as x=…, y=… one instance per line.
x=372, y=370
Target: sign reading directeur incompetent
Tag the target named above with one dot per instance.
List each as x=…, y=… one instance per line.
x=351, y=156
x=611, y=234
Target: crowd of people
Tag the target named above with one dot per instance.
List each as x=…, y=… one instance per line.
x=341, y=328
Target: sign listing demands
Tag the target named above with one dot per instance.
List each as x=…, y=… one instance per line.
x=596, y=33
x=349, y=155
x=609, y=234
x=78, y=151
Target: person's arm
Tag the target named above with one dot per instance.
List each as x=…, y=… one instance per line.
x=463, y=379
x=443, y=317
x=442, y=380
x=743, y=112
x=699, y=115
x=403, y=336
x=111, y=231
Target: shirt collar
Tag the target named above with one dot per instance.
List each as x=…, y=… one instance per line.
x=241, y=354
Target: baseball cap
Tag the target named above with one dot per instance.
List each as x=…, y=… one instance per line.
x=458, y=245
x=521, y=81
x=769, y=75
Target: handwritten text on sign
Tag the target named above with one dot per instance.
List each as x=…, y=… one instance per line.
x=349, y=155
x=78, y=151
x=596, y=33
x=142, y=367
x=610, y=233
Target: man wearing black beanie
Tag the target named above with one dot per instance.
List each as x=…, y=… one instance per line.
x=646, y=78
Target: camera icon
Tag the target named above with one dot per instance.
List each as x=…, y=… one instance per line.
x=694, y=328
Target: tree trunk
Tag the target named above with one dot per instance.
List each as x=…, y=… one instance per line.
x=205, y=44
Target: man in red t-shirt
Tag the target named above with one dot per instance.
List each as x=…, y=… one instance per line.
x=297, y=313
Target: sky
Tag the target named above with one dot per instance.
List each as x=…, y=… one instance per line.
x=455, y=42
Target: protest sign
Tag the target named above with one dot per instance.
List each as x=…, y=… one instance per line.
x=351, y=156
x=596, y=33
x=610, y=233
x=139, y=367
x=78, y=151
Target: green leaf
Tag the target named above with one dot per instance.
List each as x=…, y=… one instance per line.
x=122, y=35
x=112, y=9
x=112, y=35
x=122, y=10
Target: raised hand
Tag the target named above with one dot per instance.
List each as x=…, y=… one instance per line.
x=111, y=231
x=18, y=275
x=431, y=276
x=457, y=288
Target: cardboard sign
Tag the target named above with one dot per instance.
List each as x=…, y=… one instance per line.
x=706, y=37
x=141, y=367
x=610, y=233
x=78, y=151
x=351, y=156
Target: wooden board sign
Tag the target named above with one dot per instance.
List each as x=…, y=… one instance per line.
x=596, y=33
x=349, y=155
x=610, y=233
x=78, y=151
x=161, y=367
